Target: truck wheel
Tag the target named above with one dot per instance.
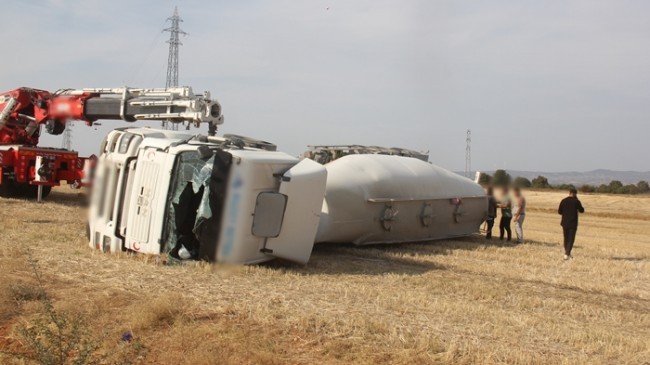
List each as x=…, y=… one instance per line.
x=46, y=191
x=9, y=189
x=4, y=190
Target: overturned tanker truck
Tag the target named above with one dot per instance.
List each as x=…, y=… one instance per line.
x=233, y=199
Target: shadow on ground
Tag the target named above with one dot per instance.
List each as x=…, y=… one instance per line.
x=70, y=199
x=631, y=258
x=439, y=247
x=348, y=259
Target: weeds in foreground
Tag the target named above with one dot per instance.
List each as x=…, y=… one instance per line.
x=26, y=292
x=55, y=338
x=61, y=338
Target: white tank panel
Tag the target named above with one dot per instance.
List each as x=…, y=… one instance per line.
x=373, y=199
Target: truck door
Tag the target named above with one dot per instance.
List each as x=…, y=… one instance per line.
x=291, y=231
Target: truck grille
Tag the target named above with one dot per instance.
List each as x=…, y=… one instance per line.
x=139, y=229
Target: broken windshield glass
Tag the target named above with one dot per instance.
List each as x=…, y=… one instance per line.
x=188, y=204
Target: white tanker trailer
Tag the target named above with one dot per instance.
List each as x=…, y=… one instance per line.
x=375, y=198
x=237, y=200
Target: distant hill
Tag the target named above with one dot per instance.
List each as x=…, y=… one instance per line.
x=595, y=177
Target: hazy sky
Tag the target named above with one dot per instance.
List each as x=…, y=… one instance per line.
x=543, y=85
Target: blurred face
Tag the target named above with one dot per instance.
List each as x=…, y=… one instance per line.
x=505, y=191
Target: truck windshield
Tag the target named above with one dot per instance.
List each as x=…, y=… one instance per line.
x=194, y=204
x=188, y=203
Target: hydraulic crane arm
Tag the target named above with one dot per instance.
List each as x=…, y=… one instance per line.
x=24, y=110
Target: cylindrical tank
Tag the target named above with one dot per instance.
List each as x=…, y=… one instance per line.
x=373, y=199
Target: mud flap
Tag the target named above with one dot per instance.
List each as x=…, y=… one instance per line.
x=304, y=187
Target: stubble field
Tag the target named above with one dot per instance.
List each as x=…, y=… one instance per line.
x=463, y=301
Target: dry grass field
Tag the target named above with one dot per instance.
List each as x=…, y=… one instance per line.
x=465, y=301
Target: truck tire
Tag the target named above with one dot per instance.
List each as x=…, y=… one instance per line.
x=11, y=189
x=6, y=190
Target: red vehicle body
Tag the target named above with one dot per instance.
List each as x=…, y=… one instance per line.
x=24, y=111
x=18, y=171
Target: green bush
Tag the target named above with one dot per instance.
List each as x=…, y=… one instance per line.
x=522, y=182
x=586, y=188
x=540, y=182
x=629, y=189
x=501, y=178
x=485, y=179
x=603, y=189
x=566, y=187
x=615, y=186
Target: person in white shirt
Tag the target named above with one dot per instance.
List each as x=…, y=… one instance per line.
x=518, y=213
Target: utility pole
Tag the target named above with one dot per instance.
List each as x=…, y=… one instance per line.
x=172, y=61
x=67, y=136
x=468, y=155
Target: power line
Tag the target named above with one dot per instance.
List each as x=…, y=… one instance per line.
x=172, y=59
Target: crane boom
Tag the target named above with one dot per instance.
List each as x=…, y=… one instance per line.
x=24, y=110
x=24, y=166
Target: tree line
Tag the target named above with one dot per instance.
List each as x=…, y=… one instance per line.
x=503, y=178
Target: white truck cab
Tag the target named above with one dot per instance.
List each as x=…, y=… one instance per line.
x=227, y=199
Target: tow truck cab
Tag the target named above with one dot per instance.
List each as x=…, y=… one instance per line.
x=227, y=199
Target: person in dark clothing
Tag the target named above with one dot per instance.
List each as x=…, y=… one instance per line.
x=185, y=217
x=491, y=213
x=506, y=214
x=569, y=209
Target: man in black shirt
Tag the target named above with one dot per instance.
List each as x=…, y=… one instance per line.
x=569, y=208
x=491, y=213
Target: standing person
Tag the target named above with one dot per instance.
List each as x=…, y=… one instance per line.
x=569, y=209
x=506, y=214
x=491, y=213
x=519, y=213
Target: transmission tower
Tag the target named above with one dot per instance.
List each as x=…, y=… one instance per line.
x=468, y=155
x=67, y=136
x=172, y=61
